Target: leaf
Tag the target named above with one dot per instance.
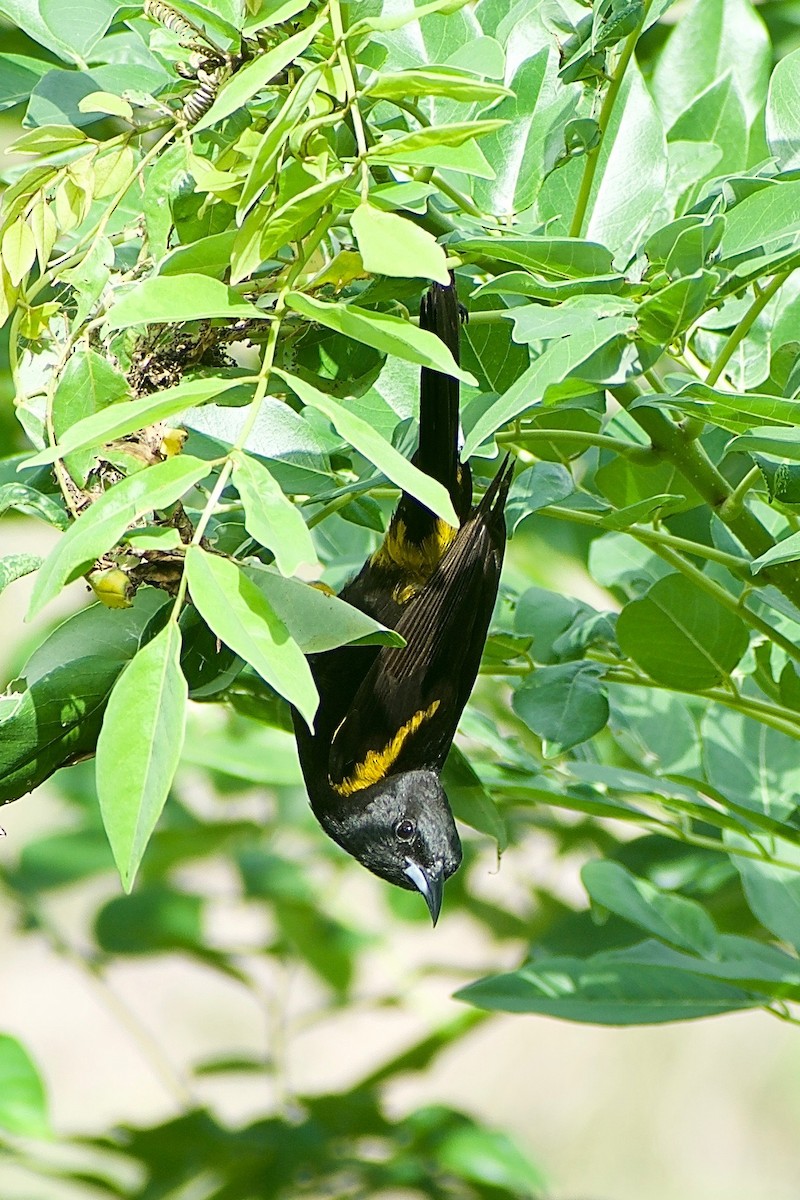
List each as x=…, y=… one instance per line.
x=750, y=764
x=87, y=386
x=15, y=566
x=490, y=1158
x=435, y=80
x=783, y=109
x=787, y=550
x=772, y=892
x=673, y=919
x=392, y=245
x=607, y=989
x=556, y=257
x=565, y=704
x=23, y=1104
x=123, y=418
x=388, y=334
x=316, y=620
x=242, y=617
x=34, y=503
x=19, y=75
x=534, y=488
x=762, y=230
x=76, y=26
x=594, y=352
x=270, y=517
x=106, y=102
x=254, y=76
x=528, y=146
x=139, y=748
x=469, y=799
x=101, y=525
x=18, y=250
x=364, y=438
x=681, y=636
x=166, y=299
x=68, y=680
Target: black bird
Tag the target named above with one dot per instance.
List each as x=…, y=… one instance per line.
x=387, y=716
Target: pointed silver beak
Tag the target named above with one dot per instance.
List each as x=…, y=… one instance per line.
x=429, y=883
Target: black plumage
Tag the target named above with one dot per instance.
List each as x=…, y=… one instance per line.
x=388, y=715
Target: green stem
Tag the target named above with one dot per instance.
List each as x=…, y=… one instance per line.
x=690, y=458
x=726, y=600
x=734, y=503
x=343, y=54
x=759, y=710
x=609, y=100
x=579, y=437
x=258, y=396
x=459, y=199
x=653, y=537
x=762, y=299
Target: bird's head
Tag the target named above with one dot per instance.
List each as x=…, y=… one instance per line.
x=401, y=829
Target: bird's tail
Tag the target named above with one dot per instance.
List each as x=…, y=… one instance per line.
x=438, y=403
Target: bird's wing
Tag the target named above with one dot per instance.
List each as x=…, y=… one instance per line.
x=405, y=713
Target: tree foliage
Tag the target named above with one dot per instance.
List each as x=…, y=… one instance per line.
x=209, y=272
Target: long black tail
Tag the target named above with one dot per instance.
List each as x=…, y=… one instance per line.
x=438, y=400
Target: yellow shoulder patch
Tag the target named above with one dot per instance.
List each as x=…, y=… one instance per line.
x=376, y=763
x=416, y=562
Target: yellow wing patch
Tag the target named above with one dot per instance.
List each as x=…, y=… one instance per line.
x=376, y=763
x=415, y=561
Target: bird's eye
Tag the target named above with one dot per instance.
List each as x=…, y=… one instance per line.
x=405, y=830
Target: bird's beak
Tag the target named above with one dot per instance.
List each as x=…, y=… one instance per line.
x=430, y=883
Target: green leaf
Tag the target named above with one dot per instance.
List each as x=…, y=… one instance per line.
x=772, y=892
x=18, y=250
x=101, y=525
x=78, y=27
x=557, y=257
x=68, y=680
x=388, y=334
x=566, y=704
x=110, y=423
x=207, y=256
x=364, y=438
x=783, y=112
x=87, y=386
x=23, y=1104
x=673, y=919
x=607, y=989
x=677, y=306
x=681, y=636
x=15, y=566
x=139, y=748
x=166, y=299
x=19, y=75
x=392, y=245
x=242, y=617
x=594, y=351
x=490, y=1158
x=762, y=230
x=435, y=81
x=316, y=620
x=275, y=136
x=254, y=76
x=734, y=411
x=705, y=45
x=534, y=488
x=523, y=151
x=469, y=799
x=787, y=550
x=408, y=146
x=270, y=517
x=750, y=764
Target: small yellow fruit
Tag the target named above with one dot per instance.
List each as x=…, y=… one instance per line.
x=112, y=587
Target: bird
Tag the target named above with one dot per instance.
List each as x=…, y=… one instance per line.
x=387, y=715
